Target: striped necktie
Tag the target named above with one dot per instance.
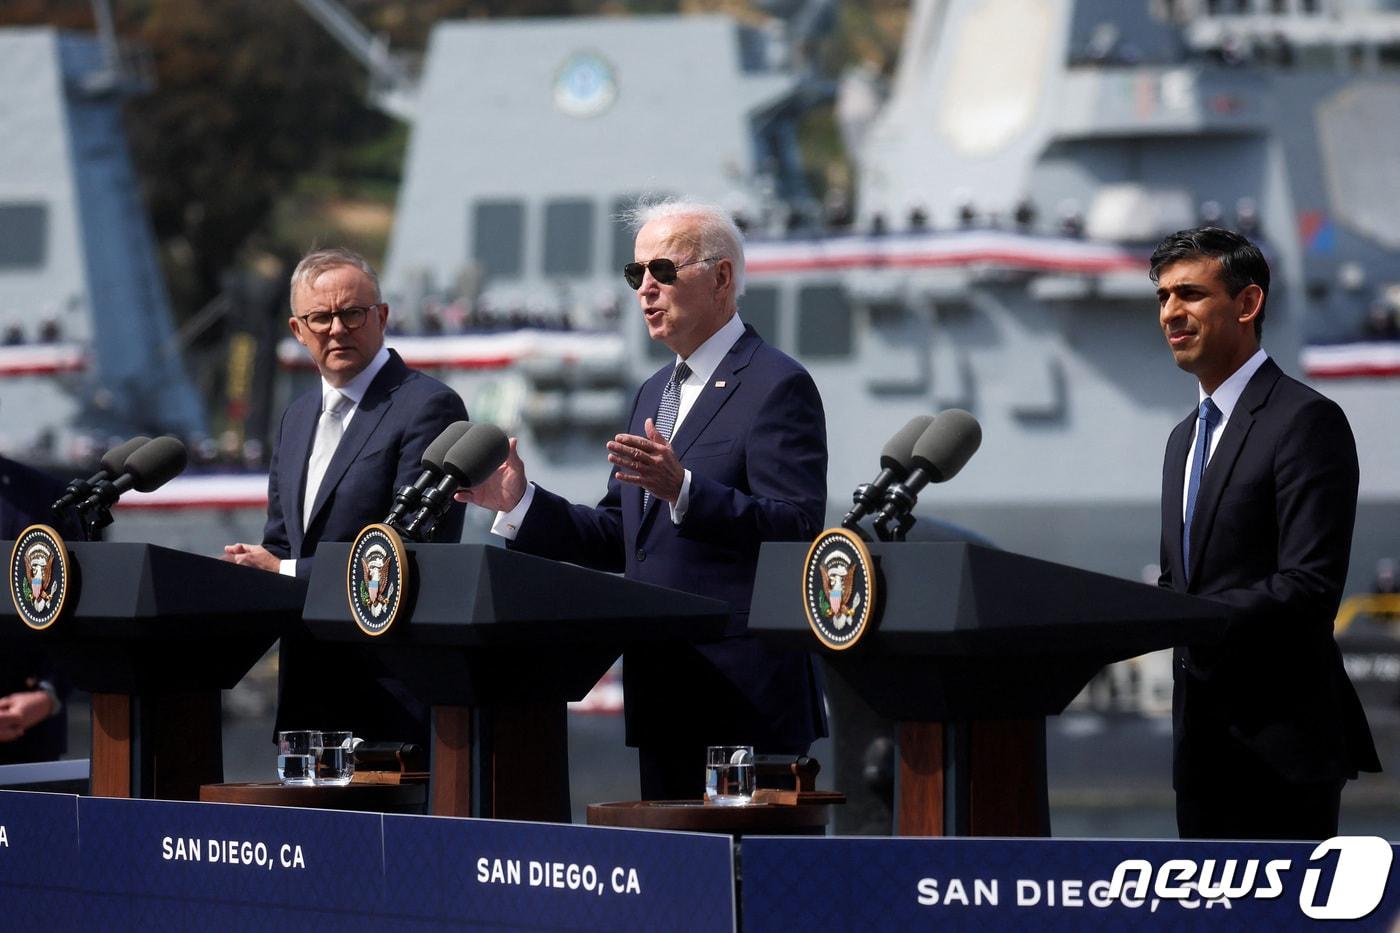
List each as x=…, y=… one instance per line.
x=1206, y=420
x=666, y=412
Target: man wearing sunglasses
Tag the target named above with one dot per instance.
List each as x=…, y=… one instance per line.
x=725, y=449
x=342, y=450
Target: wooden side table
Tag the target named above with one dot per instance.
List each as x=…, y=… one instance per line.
x=370, y=798
x=760, y=818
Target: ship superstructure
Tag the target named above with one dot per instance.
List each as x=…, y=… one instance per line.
x=89, y=346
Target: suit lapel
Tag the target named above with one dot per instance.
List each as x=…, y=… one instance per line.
x=648, y=400
x=713, y=396
x=1227, y=453
x=296, y=440
x=716, y=393
x=371, y=411
x=1173, y=490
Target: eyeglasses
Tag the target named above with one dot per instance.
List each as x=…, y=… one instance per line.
x=320, y=322
x=663, y=270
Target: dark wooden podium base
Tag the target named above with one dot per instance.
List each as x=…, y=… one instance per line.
x=697, y=817
x=371, y=798
x=156, y=746
x=977, y=779
x=505, y=762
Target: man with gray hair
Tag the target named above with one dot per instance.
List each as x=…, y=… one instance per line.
x=725, y=449
x=342, y=450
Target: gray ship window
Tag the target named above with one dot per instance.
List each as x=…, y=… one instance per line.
x=759, y=307
x=24, y=236
x=568, y=237
x=498, y=237
x=824, y=325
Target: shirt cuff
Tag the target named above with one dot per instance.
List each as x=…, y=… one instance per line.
x=682, y=501
x=287, y=568
x=49, y=688
x=507, y=524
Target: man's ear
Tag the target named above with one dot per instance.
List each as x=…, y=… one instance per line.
x=724, y=277
x=295, y=326
x=1251, y=299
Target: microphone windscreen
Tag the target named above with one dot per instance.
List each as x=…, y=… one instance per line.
x=476, y=456
x=947, y=444
x=156, y=463
x=899, y=449
x=437, y=450
x=114, y=459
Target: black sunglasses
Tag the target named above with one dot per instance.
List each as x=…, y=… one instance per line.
x=663, y=270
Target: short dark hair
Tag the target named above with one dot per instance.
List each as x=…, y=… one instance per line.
x=1241, y=262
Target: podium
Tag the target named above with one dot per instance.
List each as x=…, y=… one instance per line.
x=498, y=642
x=970, y=649
x=154, y=634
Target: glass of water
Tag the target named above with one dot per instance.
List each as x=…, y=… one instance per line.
x=729, y=775
x=335, y=756
x=296, y=756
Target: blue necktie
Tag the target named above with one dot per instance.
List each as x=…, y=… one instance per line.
x=666, y=412
x=1206, y=420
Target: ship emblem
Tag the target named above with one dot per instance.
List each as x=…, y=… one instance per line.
x=376, y=578
x=585, y=85
x=39, y=576
x=838, y=588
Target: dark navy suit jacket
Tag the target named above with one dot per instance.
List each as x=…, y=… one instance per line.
x=324, y=686
x=755, y=443
x=1271, y=539
x=25, y=497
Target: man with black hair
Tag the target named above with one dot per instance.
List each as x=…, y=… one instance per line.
x=1258, y=503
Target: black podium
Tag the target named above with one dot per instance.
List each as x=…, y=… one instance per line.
x=154, y=634
x=498, y=641
x=971, y=649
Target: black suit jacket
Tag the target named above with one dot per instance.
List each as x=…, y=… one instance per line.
x=325, y=686
x=1271, y=539
x=755, y=443
x=25, y=497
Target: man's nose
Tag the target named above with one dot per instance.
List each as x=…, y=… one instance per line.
x=338, y=324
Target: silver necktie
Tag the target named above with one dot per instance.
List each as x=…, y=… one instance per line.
x=328, y=430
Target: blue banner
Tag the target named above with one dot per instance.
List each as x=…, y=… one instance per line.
x=535, y=876
x=38, y=861
x=1003, y=884
x=160, y=865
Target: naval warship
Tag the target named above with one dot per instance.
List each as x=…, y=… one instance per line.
x=1010, y=179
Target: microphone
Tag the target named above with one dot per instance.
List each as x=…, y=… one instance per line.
x=149, y=467
x=470, y=461
x=111, y=465
x=410, y=496
x=894, y=466
x=940, y=452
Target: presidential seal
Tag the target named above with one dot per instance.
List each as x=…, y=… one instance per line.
x=376, y=578
x=39, y=576
x=838, y=588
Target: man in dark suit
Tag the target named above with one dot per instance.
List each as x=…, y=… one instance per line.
x=33, y=723
x=342, y=450
x=1258, y=503
x=725, y=449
